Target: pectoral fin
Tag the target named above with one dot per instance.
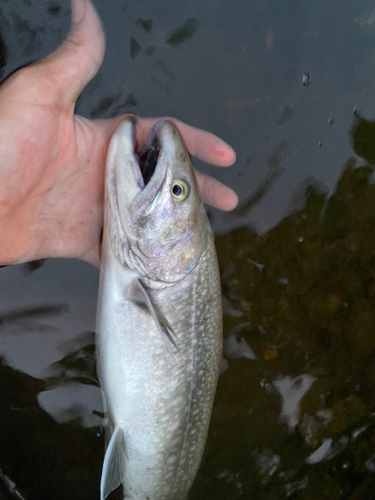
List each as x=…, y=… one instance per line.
x=138, y=294
x=113, y=465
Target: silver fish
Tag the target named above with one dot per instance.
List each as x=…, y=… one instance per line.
x=159, y=322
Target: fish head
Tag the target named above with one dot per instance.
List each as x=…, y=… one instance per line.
x=155, y=197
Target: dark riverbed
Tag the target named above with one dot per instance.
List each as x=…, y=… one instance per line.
x=290, y=86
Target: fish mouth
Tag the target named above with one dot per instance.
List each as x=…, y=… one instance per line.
x=152, y=165
x=139, y=177
x=145, y=163
x=148, y=157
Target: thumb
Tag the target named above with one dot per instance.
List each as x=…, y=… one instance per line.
x=77, y=60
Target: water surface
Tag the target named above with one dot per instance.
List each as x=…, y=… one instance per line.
x=290, y=86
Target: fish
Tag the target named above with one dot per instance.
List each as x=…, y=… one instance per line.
x=159, y=317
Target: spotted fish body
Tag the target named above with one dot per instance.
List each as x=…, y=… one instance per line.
x=159, y=320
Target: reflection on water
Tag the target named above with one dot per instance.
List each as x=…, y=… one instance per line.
x=44, y=459
x=299, y=418
x=78, y=365
x=295, y=407
x=183, y=33
x=27, y=317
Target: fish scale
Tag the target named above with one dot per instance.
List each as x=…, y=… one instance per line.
x=157, y=396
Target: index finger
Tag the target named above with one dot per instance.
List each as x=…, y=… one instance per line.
x=204, y=145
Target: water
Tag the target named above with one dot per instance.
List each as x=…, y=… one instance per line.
x=295, y=408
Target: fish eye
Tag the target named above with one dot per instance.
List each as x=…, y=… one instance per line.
x=180, y=190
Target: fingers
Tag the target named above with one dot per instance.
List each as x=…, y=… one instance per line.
x=78, y=58
x=204, y=145
x=200, y=143
x=215, y=193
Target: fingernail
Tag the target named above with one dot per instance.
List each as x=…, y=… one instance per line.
x=224, y=152
x=78, y=10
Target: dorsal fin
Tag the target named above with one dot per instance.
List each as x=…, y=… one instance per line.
x=114, y=464
x=138, y=294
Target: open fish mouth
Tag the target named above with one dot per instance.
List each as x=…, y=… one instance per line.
x=148, y=158
x=139, y=178
x=145, y=161
x=154, y=198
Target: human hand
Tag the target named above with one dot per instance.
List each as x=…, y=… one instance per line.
x=53, y=161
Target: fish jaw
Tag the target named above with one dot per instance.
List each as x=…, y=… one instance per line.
x=124, y=177
x=161, y=236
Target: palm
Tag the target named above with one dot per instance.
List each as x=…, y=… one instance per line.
x=52, y=186
x=52, y=172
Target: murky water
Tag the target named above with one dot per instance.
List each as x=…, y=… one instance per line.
x=290, y=86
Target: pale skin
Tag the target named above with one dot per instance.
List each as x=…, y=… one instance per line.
x=53, y=161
